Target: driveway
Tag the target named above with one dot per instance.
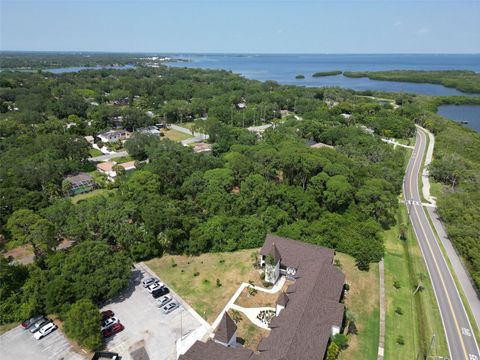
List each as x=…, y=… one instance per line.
x=20, y=344
x=146, y=326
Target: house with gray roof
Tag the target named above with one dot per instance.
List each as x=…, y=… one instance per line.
x=308, y=313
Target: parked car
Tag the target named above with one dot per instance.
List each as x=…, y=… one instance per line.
x=107, y=323
x=160, y=292
x=45, y=330
x=155, y=286
x=112, y=330
x=27, y=323
x=107, y=314
x=102, y=355
x=170, y=307
x=35, y=327
x=164, y=300
x=149, y=281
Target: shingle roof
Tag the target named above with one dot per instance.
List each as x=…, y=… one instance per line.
x=302, y=330
x=282, y=299
x=294, y=253
x=226, y=328
x=213, y=351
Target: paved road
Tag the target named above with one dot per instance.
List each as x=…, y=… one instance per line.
x=460, y=339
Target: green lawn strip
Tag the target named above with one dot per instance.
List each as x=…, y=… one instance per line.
x=7, y=327
x=99, y=192
x=427, y=314
x=465, y=302
x=95, y=152
x=123, y=159
x=363, y=301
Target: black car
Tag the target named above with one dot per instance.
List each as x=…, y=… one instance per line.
x=160, y=292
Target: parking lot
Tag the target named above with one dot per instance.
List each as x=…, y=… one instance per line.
x=145, y=323
x=19, y=343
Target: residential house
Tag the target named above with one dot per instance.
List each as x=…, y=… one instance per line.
x=106, y=168
x=78, y=184
x=307, y=315
x=152, y=130
x=113, y=136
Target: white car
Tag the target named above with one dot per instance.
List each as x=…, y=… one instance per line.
x=107, y=323
x=155, y=286
x=45, y=330
x=165, y=299
x=170, y=307
x=149, y=281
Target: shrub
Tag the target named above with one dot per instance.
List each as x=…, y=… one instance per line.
x=352, y=328
x=332, y=352
x=82, y=324
x=196, y=273
x=399, y=310
x=206, y=281
x=400, y=340
x=346, y=286
x=341, y=341
x=397, y=285
x=219, y=283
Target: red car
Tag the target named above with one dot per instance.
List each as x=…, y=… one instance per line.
x=107, y=314
x=112, y=330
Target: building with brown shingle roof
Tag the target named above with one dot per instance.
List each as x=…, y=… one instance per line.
x=308, y=314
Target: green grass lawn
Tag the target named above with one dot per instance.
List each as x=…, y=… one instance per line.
x=122, y=159
x=194, y=278
x=363, y=301
x=95, y=152
x=99, y=192
x=436, y=188
x=419, y=317
x=188, y=125
x=175, y=135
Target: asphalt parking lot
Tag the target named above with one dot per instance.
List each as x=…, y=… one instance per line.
x=20, y=344
x=145, y=323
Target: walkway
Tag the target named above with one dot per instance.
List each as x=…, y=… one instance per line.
x=275, y=288
x=425, y=172
x=396, y=143
x=251, y=314
x=381, y=340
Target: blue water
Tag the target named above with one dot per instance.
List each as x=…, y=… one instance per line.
x=80, y=68
x=284, y=68
x=470, y=113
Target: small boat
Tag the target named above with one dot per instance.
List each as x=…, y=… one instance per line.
x=464, y=122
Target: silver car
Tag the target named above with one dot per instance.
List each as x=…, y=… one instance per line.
x=170, y=307
x=35, y=327
x=163, y=300
x=148, y=281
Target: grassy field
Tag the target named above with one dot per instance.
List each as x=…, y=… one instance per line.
x=412, y=316
x=95, y=152
x=195, y=278
x=99, y=192
x=175, y=135
x=363, y=301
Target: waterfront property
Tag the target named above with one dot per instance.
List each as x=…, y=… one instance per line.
x=306, y=316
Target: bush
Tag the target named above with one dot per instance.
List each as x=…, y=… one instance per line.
x=400, y=340
x=341, y=341
x=196, y=273
x=397, y=285
x=82, y=324
x=219, y=283
x=399, y=311
x=352, y=328
x=332, y=352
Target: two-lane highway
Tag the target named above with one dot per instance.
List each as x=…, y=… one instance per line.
x=461, y=341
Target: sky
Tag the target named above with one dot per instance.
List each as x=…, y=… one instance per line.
x=241, y=26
